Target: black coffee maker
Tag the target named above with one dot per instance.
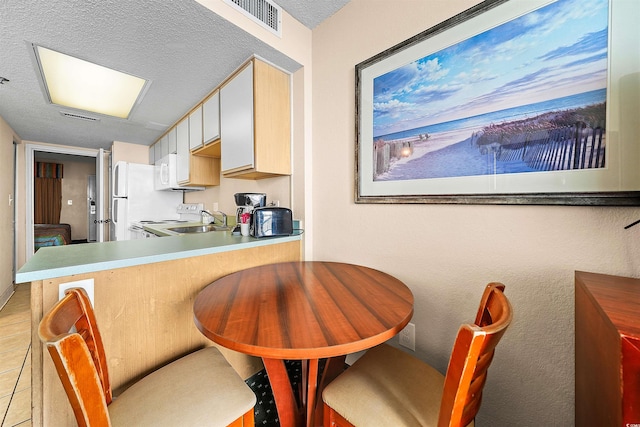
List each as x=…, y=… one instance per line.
x=246, y=203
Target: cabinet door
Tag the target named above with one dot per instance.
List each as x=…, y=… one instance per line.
x=161, y=149
x=195, y=128
x=157, y=147
x=173, y=146
x=183, y=152
x=236, y=121
x=211, y=118
x=164, y=146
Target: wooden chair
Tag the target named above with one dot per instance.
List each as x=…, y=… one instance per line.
x=388, y=387
x=200, y=389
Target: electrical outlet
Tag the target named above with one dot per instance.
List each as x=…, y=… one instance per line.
x=408, y=337
x=86, y=284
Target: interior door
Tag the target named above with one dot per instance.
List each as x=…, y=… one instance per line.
x=92, y=214
x=100, y=195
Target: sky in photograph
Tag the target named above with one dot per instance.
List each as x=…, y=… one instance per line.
x=555, y=51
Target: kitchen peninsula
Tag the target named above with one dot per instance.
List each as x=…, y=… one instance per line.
x=143, y=298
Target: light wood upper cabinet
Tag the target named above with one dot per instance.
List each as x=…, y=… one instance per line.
x=255, y=122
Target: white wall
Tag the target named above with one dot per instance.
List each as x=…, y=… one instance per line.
x=6, y=211
x=447, y=253
x=127, y=152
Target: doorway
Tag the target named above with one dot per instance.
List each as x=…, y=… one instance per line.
x=95, y=158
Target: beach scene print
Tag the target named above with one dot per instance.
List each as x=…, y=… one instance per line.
x=528, y=95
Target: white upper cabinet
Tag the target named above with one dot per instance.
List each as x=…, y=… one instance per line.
x=211, y=118
x=162, y=148
x=157, y=148
x=183, y=152
x=172, y=141
x=195, y=128
x=236, y=117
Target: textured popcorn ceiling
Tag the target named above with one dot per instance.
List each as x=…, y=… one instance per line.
x=183, y=48
x=311, y=13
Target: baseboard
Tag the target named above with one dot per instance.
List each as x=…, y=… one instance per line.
x=6, y=295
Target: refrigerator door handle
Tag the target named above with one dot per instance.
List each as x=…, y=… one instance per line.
x=120, y=180
x=114, y=211
x=119, y=218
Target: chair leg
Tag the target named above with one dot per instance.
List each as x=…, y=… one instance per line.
x=247, y=420
x=334, y=419
x=326, y=415
x=334, y=366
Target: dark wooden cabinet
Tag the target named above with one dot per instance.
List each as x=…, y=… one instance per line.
x=607, y=350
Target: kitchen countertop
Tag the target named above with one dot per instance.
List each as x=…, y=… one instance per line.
x=59, y=261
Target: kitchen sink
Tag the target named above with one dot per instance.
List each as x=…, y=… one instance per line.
x=198, y=229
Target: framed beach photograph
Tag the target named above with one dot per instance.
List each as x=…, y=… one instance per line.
x=509, y=102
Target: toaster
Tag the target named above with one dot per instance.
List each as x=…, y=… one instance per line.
x=271, y=221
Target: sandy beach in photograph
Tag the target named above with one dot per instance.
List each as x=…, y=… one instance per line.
x=456, y=153
x=435, y=142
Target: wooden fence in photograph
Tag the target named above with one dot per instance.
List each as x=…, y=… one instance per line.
x=385, y=153
x=573, y=147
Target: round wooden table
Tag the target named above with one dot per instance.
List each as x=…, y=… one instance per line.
x=303, y=311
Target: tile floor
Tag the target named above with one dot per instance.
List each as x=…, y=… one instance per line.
x=15, y=360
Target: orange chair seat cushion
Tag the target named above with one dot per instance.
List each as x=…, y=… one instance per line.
x=387, y=387
x=203, y=381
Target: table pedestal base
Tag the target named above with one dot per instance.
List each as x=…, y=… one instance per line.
x=302, y=407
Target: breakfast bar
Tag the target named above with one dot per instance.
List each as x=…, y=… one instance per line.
x=143, y=295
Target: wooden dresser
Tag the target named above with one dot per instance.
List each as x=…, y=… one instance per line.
x=607, y=350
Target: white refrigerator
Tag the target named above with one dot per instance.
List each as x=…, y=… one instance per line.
x=134, y=199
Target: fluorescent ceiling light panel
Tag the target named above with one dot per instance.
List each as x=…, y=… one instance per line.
x=83, y=85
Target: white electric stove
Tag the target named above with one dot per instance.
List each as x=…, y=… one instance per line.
x=186, y=212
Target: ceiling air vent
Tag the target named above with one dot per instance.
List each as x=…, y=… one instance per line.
x=79, y=116
x=264, y=12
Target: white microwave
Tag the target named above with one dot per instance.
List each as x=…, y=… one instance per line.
x=165, y=175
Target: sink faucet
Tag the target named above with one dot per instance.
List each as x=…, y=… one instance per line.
x=224, y=217
x=205, y=212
